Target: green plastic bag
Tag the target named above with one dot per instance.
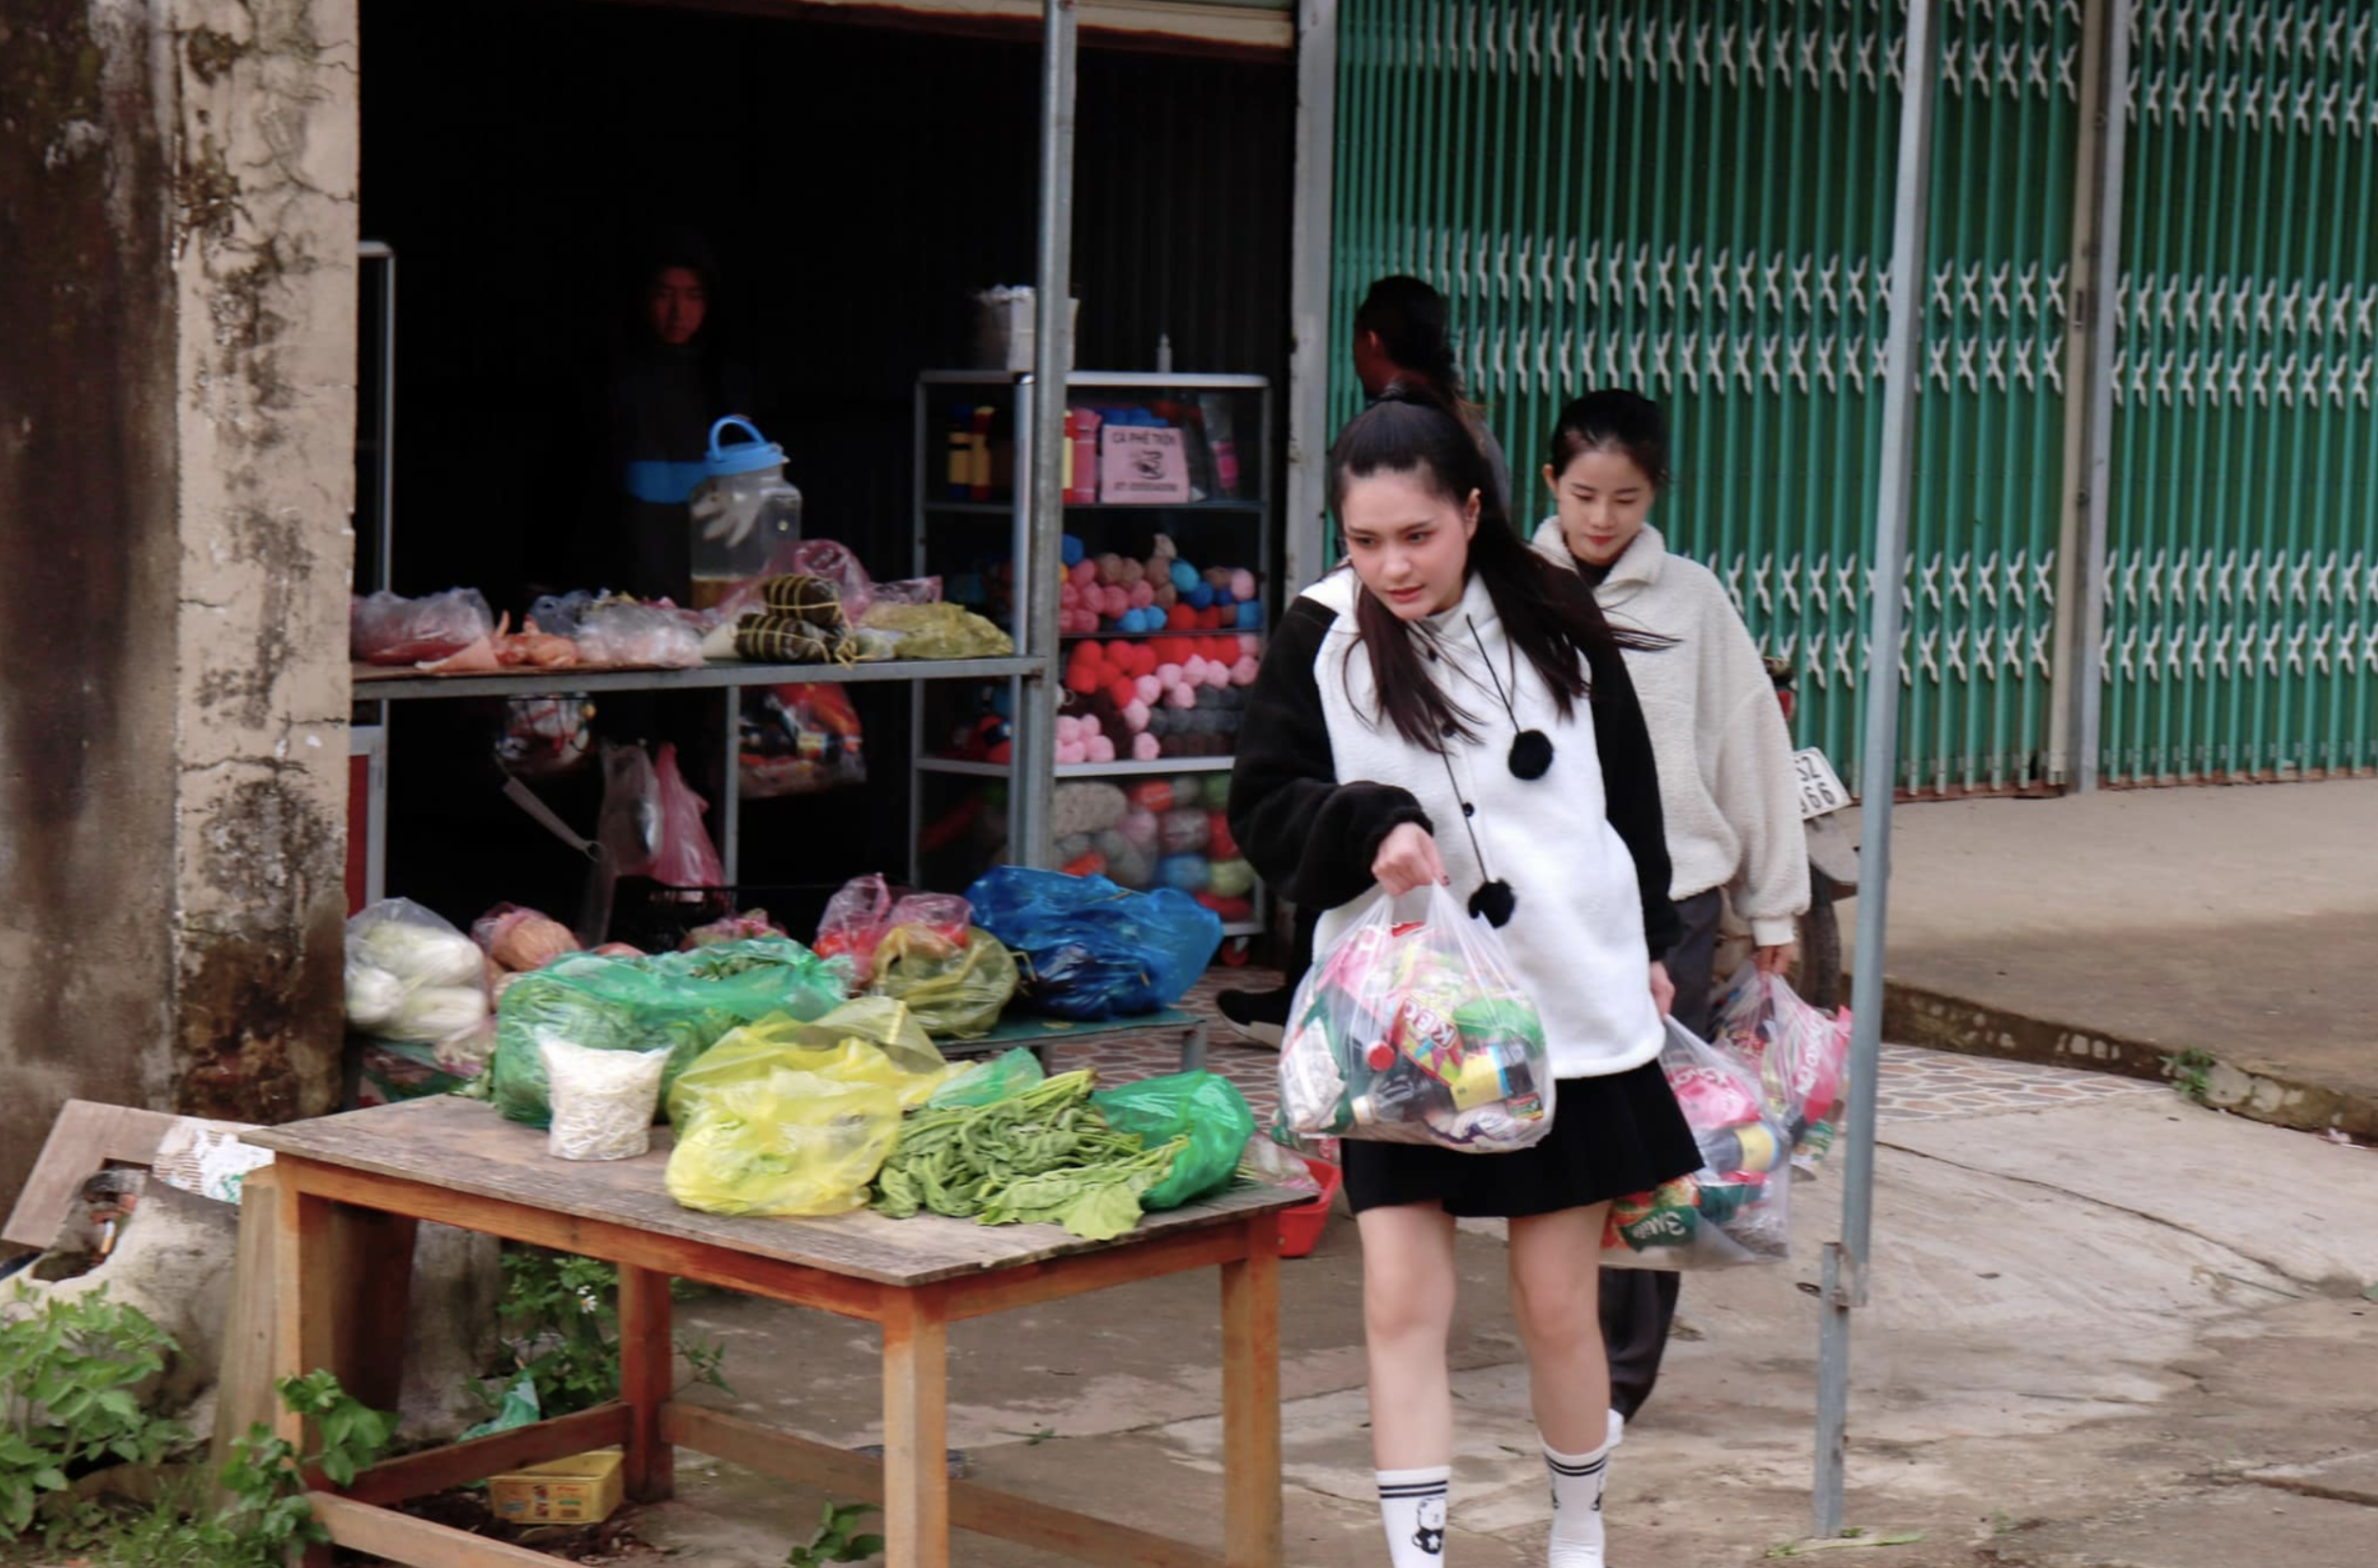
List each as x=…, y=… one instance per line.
x=994, y=1078
x=1207, y=1109
x=955, y=992
x=782, y=1117
x=684, y=1002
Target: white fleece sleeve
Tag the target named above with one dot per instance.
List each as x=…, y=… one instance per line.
x=1756, y=792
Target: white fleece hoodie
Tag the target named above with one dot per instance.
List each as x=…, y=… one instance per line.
x=1724, y=756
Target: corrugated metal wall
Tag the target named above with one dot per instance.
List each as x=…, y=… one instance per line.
x=2242, y=615
x=1694, y=199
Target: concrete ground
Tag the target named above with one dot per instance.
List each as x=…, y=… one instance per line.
x=2109, y=1330
x=2125, y=926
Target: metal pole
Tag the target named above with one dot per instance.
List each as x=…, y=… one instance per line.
x=1845, y=1260
x=2085, y=656
x=2064, y=724
x=1306, y=536
x=1034, y=772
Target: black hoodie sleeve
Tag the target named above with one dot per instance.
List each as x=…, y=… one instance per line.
x=1631, y=794
x=1310, y=835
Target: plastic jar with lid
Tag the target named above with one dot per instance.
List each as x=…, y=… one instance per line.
x=742, y=511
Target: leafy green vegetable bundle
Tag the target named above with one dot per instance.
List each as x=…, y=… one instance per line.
x=1043, y=1156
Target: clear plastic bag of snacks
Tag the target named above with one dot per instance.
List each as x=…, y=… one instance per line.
x=1736, y=1209
x=1416, y=1030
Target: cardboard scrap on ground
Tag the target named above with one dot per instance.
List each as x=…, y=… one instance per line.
x=190, y=1152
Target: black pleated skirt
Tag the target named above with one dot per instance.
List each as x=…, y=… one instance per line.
x=1612, y=1136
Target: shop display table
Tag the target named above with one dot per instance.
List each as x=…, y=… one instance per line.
x=351, y=1189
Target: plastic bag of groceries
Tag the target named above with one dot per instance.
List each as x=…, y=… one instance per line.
x=1800, y=1054
x=1416, y=1030
x=1736, y=1209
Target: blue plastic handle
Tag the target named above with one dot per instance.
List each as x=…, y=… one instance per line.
x=736, y=419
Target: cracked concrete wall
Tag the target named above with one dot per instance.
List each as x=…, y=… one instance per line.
x=177, y=359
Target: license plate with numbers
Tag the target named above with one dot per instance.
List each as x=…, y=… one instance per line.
x=1819, y=786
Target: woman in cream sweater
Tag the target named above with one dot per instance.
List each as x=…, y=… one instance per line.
x=1727, y=794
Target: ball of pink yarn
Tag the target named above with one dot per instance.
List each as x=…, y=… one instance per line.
x=1243, y=673
x=1250, y=642
x=1150, y=688
x=1072, y=751
x=1142, y=595
x=1067, y=594
x=1140, y=825
x=1242, y=585
x=1182, y=696
x=1193, y=669
x=1217, y=676
x=1135, y=715
x=1114, y=598
x=1145, y=748
x=1068, y=728
x=1168, y=675
x=1082, y=574
x=1101, y=749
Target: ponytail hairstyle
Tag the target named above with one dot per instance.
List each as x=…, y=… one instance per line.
x=1415, y=335
x=1613, y=420
x=1547, y=611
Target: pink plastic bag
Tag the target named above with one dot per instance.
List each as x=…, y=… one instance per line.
x=685, y=856
x=386, y=628
x=855, y=921
x=833, y=561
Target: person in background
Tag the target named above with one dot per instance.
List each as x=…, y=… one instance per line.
x=1402, y=337
x=1727, y=793
x=670, y=381
x=1438, y=711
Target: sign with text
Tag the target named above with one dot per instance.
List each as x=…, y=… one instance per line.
x=1143, y=464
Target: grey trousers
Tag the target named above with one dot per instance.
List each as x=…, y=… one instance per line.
x=1639, y=1305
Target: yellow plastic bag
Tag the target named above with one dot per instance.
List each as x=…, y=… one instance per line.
x=954, y=993
x=782, y=1117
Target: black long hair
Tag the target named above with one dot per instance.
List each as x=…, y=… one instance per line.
x=1612, y=419
x=1416, y=334
x=1547, y=611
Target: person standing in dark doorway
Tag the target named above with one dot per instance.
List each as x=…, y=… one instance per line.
x=1402, y=337
x=670, y=381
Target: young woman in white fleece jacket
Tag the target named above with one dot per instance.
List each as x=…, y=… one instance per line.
x=1727, y=793
x=1450, y=707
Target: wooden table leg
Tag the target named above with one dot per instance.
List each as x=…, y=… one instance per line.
x=1251, y=1527
x=646, y=1374
x=916, y=1431
x=342, y=1282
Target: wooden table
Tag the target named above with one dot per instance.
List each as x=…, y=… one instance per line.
x=351, y=1189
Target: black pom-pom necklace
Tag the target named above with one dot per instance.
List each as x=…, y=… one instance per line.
x=1531, y=749
x=1494, y=901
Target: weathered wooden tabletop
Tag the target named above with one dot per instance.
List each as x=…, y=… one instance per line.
x=465, y=1146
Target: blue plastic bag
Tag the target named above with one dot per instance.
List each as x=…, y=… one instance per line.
x=1095, y=950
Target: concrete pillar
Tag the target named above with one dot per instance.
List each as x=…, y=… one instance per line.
x=178, y=188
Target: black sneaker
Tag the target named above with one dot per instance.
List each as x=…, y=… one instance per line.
x=1257, y=1015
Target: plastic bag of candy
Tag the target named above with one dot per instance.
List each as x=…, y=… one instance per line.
x=1417, y=1031
x=1736, y=1209
x=1798, y=1053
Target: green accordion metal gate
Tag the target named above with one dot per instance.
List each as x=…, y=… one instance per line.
x=1692, y=198
x=2242, y=585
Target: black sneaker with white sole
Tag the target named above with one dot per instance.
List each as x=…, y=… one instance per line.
x=1257, y=1015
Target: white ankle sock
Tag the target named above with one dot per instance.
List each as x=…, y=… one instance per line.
x=1577, y=1503
x=1411, y=1505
